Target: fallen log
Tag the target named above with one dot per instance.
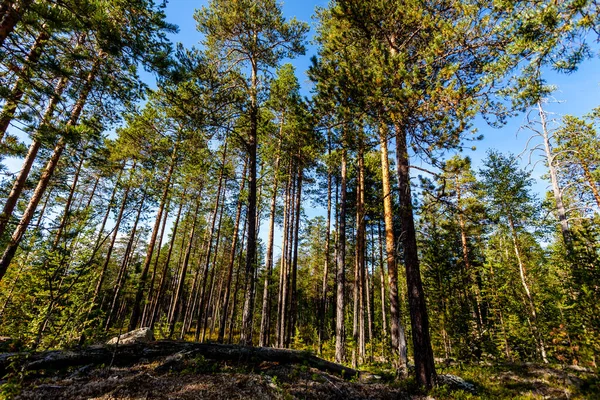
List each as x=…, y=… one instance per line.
x=131, y=353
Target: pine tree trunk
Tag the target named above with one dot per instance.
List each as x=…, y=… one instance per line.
x=341, y=268
x=151, y=291
x=114, y=235
x=135, y=314
x=369, y=292
x=397, y=331
x=237, y=286
x=556, y=190
x=294, y=289
x=11, y=17
x=23, y=174
x=209, y=248
x=382, y=279
x=163, y=277
x=423, y=353
x=16, y=94
x=534, y=322
x=247, y=317
x=232, y=257
x=323, y=305
x=47, y=174
x=181, y=281
x=214, y=268
x=121, y=277
x=266, y=304
x=283, y=263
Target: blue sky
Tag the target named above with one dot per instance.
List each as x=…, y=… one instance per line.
x=578, y=93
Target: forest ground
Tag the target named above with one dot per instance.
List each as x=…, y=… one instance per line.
x=196, y=377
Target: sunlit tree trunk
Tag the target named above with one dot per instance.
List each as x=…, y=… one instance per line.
x=397, y=331
x=232, y=257
x=47, y=174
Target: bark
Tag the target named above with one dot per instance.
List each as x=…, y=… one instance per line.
x=266, y=303
x=18, y=90
x=556, y=190
x=135, y=314
x=282, y=268
x=382, y=279
x=232, y=257
x=126, y=355
x=531, y=304
x=47, y=174
x=323, y=305
x=23, y=174
x=423, y=353
x=397, y=331
x=11, y=17
x=151, y=291
x=286, y=288
x=294, y=289
x=163, y=277
x=248, y=313
x=121, y=277
x=210, y=241
x=183, y=273
x=358, y=314
x=341, y=269
x=237, y=286
x=213, y=269
x=114, y=235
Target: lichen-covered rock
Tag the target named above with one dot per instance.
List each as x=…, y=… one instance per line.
x=456, y=383
x=142, y=335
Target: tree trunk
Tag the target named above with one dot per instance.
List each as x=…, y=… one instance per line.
x=397, y=331
x=163, y=277
x=121, y=277
x=247, y=317
x=23, y=174
x=47, y=174
x=294, y=289
x=114, y=235
x=382, y=279
x=340, y=261
x=16, y=94
x=183, y=273
x=213, y=269
x=423, y=353
x=266, y=304
x=556, y=190
x=534, y=322
x=151, y=291
x=135, y=314
x=11, y=18
x=282, y=267
x=237, y=286
x=210, y=241
x=323, y=305
x=232, y=257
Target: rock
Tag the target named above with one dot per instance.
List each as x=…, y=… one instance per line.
x=142, y=335
x=456, y=383
x=173, y=362
x=578, y=368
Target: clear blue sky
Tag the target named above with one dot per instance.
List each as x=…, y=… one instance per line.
x=578, y=92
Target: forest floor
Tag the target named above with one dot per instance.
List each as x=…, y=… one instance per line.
x=197, y=377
